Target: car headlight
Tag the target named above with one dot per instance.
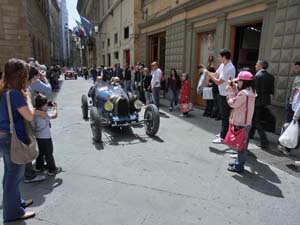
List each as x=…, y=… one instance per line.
x=138, y=104
x=108, y=106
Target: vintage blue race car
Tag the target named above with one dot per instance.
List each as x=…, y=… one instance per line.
x=111, y=106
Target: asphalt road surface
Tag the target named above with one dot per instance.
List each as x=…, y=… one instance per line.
x=176, y=178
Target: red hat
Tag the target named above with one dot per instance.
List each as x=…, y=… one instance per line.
x=244, y=75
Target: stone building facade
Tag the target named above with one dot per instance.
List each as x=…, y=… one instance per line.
x=188, y=31
x=116, y=38
x=75, y=51
x=55, y=32
x=24, y=28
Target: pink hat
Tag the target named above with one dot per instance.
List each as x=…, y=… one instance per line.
x=244, y=75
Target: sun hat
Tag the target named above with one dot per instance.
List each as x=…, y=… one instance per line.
x=244, y=75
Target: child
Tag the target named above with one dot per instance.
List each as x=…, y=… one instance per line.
x=185, y=92
x=43, y=136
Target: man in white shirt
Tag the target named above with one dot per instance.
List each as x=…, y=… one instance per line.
x=155, y=83
x=224, y=73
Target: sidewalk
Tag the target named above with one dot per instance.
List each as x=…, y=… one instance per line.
x=271, y=155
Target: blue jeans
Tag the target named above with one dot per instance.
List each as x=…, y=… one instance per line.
x=173, y=97
x=13, y=174
x=242, y=155
x=155, y=96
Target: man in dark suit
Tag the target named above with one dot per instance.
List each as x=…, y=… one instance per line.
x=264, y=85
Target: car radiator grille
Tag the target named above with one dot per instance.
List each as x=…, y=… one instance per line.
x=121, y=107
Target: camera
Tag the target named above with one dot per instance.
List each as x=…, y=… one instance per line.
x=51, y=104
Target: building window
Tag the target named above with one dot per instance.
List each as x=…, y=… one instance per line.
x=116, y=38
x=126, y=32
x=108, y=60
x=116, y=55
x=108, y=42
x=103, y=59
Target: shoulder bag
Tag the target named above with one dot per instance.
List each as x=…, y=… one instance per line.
x=21, y=153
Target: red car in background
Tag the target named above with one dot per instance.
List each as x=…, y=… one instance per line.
x=70, y=74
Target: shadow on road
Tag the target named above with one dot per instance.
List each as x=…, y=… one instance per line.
x=260, y=178
x=122, y=137
x=40, y=189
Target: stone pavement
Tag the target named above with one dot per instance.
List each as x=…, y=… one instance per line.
x=176, y=178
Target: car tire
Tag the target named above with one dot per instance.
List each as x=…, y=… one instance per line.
x=65, y=77
x=152, y=120
x=84, y=106
x=96, y=125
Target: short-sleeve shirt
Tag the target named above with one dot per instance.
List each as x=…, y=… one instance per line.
x=42, y=127
x=156, y=77
x=226, y=72
x=17, y=101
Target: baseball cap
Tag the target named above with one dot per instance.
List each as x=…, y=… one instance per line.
x=244, y=75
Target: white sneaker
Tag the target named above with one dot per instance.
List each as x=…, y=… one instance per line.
x=218, y=135
x=233, y=156
x=218, y=141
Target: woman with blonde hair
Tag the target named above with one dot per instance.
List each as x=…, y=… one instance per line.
x=15, y=81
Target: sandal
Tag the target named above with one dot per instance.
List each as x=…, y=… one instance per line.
x=27, y=215
x=27, y=203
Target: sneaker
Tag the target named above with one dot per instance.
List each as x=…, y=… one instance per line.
x=297, y=163
x=283, y=149
x=56, y=171
x=182, y=115
x=170, y=109
x=218, y=135
x=233, y=156
x=37, y=178
x=218, y=141
x=234, y=169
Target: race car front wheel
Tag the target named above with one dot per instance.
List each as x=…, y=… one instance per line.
x=152, y=120
x=84, y=106
x=96, y=125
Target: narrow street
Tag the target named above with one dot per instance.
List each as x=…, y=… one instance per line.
x=176, y=178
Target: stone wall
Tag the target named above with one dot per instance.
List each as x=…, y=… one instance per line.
x=285, y=46
x=175, y=41
x=14, y=37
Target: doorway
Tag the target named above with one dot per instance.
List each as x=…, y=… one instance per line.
x=245, y=43
x=157, y=45
x=205, y=49
x=127, y=56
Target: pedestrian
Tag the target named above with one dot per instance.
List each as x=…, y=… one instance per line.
x=224, y=73
x=293, y=102
x=264, y=85
x=94, y=73
x=15, y=81
x=241, y=98
x=209, y=109
x=185, y=93
x=43, y=135
x=127, y=78
x=155, y=83
x=173, y=88
x=38, y=83
x=147, y=85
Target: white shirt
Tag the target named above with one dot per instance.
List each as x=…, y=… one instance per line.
x=225, y=73
x=156, y=77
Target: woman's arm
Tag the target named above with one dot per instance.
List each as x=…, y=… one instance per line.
x=27, y=111
x=237, y=101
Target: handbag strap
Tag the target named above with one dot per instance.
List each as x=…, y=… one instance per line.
x=11, y=120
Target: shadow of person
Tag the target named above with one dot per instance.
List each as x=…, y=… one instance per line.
x=258, y=183
x=221, y=152
x=164, y=115
x=38, y=191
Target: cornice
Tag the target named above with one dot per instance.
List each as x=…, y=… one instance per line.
x=220, y=13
